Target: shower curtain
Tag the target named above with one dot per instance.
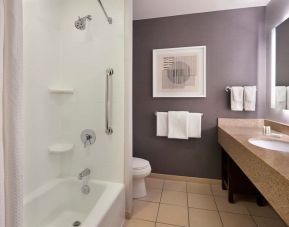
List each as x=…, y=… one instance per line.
x=11, y=127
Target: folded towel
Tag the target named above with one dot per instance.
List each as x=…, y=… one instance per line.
x=281, y=97
x=178, y=125
x=195, y=125
x=250, y=98
x=237, y=98
x=287, y=97
x=162, y=124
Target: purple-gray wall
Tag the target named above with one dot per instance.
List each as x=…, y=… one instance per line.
x=235, y=41
x=276, y=12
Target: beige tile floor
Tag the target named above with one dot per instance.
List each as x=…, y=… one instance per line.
x=183, y=204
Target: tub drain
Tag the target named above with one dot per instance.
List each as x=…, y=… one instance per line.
x=76, y=223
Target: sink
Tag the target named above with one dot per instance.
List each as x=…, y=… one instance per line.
x=270, y=144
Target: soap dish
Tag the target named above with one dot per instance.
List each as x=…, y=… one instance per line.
x=60, y=148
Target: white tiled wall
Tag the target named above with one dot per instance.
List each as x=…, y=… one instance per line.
x=56, y=53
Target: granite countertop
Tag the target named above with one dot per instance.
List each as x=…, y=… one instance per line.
x=277, y=160
x=267, y=169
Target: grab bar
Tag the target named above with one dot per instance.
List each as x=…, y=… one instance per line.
x=108, y=128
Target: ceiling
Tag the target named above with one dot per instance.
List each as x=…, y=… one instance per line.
x=145, y=9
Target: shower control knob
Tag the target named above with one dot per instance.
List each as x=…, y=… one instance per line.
x=88, y=137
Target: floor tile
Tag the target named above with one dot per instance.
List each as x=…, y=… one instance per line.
x=174, y=197
x=138, y=223
x=197, y=188
x=237, y=220
x=201, y=201
x=165, y=225
x=174, y=215
x=265, y=211
x=154, y=183
x=224, y=205
x=269, y=222
x=153, y=195
x=145, y=210
x=218, y=191
x=204, y=218
x=175, y=186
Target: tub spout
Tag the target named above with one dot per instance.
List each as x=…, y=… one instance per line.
x=84, y=173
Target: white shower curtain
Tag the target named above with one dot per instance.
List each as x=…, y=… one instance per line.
x=11, y=127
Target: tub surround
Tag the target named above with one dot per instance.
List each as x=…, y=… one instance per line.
x=268, y=170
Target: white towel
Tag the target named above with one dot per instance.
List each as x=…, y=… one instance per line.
x=237, y=98
x=280, y=97
x=287, y=97
x=250, y=98
x=178, y=127
x=162, y=124
x=195, y=125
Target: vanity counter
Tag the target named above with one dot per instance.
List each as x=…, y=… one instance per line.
x=268, y=170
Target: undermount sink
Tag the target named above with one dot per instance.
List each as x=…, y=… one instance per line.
x=270, y=144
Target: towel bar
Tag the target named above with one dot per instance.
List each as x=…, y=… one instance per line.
x=227, y=89
x=201, y=113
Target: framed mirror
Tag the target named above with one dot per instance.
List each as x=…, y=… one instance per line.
x=280, y=66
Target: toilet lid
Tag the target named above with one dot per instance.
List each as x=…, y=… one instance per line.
x=139, y=163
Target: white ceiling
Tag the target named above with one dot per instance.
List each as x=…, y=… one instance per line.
x=144, y=9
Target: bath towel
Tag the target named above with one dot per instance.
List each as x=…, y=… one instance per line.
x=162, y=124
x=178, y=126
x=195, y=125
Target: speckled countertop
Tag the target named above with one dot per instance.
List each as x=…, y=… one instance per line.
x=267, y=169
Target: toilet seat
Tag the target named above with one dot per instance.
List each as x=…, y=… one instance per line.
x=139, y=164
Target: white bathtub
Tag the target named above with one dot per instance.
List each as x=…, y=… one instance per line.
x=60, y=203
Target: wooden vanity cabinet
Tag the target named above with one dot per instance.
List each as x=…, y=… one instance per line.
x=236, y=182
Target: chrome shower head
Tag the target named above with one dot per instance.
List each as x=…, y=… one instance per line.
x=81, y=22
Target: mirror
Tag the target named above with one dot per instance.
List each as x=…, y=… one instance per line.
x=280, y=66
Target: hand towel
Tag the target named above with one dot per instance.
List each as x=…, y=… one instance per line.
x=237, y=98
x=287, y=92
x=195, y=125
x=162, y=124
x=280, y=97
x=250, y=98
x=178, y=125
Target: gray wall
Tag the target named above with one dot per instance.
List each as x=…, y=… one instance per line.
x=276, y=12
x=235, y=41
x=282, y=54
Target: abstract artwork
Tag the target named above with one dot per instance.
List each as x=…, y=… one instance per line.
x=179, y=72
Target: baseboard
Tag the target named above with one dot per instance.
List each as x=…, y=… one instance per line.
x=185, y=178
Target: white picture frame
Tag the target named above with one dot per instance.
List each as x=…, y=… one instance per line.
x=179, y=72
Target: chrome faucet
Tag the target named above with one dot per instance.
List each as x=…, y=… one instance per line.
x=84, y=173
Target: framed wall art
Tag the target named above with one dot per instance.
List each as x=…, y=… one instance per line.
x=179, y=72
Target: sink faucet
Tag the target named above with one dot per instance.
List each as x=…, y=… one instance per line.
x=84, y=173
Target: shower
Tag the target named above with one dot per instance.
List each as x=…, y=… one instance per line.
x=81, y=22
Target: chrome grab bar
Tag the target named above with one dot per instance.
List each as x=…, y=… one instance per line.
x=108, y=128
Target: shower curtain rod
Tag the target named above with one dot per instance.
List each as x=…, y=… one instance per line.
x=109, y=19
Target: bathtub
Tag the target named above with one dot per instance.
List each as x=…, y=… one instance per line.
x=60, y=203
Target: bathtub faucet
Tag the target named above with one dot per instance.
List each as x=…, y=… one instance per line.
x=84, y=173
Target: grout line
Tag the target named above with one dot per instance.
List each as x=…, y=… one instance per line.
x=189, y=224
x=159, y=203
x=216, y=206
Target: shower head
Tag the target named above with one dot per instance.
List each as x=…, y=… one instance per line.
x=81, y=22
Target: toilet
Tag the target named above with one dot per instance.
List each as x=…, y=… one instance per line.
x=141, y=168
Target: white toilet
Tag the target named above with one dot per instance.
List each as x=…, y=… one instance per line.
x=141, y=168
